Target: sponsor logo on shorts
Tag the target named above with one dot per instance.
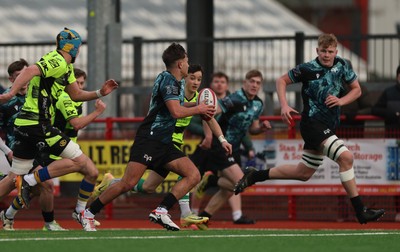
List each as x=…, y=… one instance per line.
x=147, y=157
x=327, y=131
x=63, y=143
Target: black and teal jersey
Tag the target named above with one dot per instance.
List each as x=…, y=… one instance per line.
x=181, y=124
x=65, y=110
x=159, y=123
x=8, y=113
x=238, y=113
x=40, y=98
x=318, y=82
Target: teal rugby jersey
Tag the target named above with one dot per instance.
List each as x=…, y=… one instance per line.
x=8, y=114
x=318, y=82
x=238, y=113
x=159, y=123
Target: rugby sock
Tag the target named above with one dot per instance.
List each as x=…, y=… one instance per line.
x=37, y=176
x=113, y=181
x=185, y=206
x=357, y=204
x=195, y=211
x=139, y=186
x=212, y=181
x=260, y=175
x=236, y=215
x=168, y=201
x=13, y=208
x=48, y=216
x=85, y=190
x=95, y=207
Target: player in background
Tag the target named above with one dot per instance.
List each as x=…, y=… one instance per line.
x=69, y=119
x=157, y=176
x=34, y=131
x=241, y=111
x=322, y=80
x=220, y=85
x=8, y=113
x=153, y=146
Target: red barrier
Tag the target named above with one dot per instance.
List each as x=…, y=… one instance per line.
x=291, y=191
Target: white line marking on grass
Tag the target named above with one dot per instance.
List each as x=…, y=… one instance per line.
x=192, y=236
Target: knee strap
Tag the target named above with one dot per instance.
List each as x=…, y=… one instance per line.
x=311, y=160
x=347, y=175
x=333, y=147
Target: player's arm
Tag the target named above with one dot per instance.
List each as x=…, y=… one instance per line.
x=178, y=111
x=281, y=84
x=258, y=127
x=195, y=127
x=6, y=150
x=78, y=94
x=81, y=122
x=212, y=127
x=189, y=104
x=352, y=95
x=208, y=135
x=24, y=77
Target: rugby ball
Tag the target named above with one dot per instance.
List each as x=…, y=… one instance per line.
x=208, y=96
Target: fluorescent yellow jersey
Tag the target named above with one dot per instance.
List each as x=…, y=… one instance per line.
x=66, y=109
x=42, y=90
x=181, y=124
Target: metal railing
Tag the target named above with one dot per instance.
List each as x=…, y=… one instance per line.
x=374, y=58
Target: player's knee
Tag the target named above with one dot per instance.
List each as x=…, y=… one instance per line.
x=345, y=159
x=304, y=176
x=125, y=186
x=227, y=193
x=334, y=147
x=85, y=165
x=308, y=165
x=194, y=177
x=92, y=175
x=148, y=189
x=304, y=172
x=92, y=171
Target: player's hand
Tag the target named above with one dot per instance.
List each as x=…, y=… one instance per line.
x=108, y=87
x=100, y=106
x=286, y=115
x=332, y=101
x=206, y=144
x=5, y=98
x=207, y=110
x=227, y=147
x=10, y=156
x=265, y=125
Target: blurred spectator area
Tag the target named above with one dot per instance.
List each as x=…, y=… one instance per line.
x=271, y=42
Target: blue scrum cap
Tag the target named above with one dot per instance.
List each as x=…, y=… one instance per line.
x=69, y=41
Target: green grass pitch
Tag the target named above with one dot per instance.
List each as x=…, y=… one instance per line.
x=204, y=241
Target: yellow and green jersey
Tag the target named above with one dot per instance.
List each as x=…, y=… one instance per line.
x=42, y=92
x=66, y=109
x=180, y=126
